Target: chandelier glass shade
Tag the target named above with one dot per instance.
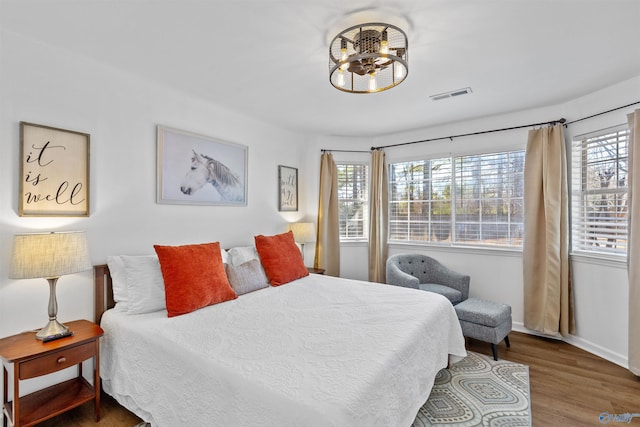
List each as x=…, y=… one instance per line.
x=368, y=58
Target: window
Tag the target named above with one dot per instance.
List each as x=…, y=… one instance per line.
x=486, y=207
x=599, y=192
x=353, y=205
x=489, y=199
x=420, y=200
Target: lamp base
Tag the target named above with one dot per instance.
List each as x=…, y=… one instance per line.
x=53, y=331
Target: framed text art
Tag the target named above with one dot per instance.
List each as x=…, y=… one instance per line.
x=54, y=171
x=287, y=188
x=198, y=170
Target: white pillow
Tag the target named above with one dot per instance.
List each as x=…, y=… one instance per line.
x=145, y=285
x=241, y=254
x=225, y=256
x=118, y=281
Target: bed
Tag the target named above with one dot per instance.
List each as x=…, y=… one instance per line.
x=318, y=351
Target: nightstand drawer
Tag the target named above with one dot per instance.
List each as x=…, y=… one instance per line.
x=56, y=361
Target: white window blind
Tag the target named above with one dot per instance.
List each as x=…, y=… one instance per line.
x=485, y=209
x=420, y=200
x=489, y=199
x=599, y=192
x=353, y=201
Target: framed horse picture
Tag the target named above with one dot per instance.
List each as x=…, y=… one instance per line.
x=197, y=170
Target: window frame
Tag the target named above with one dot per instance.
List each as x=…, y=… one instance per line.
x=579, y=219
x=454, y=240
x=427, y=222
x=365, y=201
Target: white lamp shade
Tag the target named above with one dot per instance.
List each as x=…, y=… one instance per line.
x=303, y=232
x=49, y=255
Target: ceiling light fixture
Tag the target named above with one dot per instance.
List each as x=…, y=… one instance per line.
x=368, y=58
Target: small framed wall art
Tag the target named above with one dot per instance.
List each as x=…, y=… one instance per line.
x=54, y=171
x=287, y=188
x=198, y=170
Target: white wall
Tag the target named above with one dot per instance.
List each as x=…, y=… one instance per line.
x=48, y=86
x=600, y=288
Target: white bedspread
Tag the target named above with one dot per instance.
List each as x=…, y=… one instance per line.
x=320, y=351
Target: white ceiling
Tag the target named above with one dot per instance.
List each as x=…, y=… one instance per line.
x=269, y=58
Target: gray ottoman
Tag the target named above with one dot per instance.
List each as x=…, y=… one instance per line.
x=486, y=321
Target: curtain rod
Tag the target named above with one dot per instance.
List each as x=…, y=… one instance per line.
x=551, y=123
x=324, y=150
x=599, y=114
x=562, y=121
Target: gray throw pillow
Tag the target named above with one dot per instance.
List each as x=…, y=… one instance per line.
x=247, y=277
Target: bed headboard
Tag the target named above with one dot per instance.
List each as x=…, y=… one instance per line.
x=103, y=291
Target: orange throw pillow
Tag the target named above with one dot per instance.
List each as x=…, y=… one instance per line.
x=281, y=258
x=194, y=277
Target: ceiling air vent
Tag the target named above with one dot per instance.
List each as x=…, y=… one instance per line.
x=451, y=94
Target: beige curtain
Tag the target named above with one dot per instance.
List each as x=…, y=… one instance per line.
x=633, y=248
x=378, y=217
x=548, y=299
x=328, y=230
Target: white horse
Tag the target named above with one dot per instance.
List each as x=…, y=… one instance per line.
x=204, y=170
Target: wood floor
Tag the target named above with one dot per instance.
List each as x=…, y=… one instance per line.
x=569, y=387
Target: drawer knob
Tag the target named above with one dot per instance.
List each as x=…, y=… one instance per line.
x=62, y=359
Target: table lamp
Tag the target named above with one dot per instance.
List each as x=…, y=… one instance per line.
x=303, y=232
x=50, y=255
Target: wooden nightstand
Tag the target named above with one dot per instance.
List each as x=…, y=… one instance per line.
x=33, y=358
x=315, y=270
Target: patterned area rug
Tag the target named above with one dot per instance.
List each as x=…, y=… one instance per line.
x=478, y=391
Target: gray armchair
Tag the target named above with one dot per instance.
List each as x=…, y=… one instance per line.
x=422, y=272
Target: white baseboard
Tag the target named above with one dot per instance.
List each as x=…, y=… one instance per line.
x=581, y=343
